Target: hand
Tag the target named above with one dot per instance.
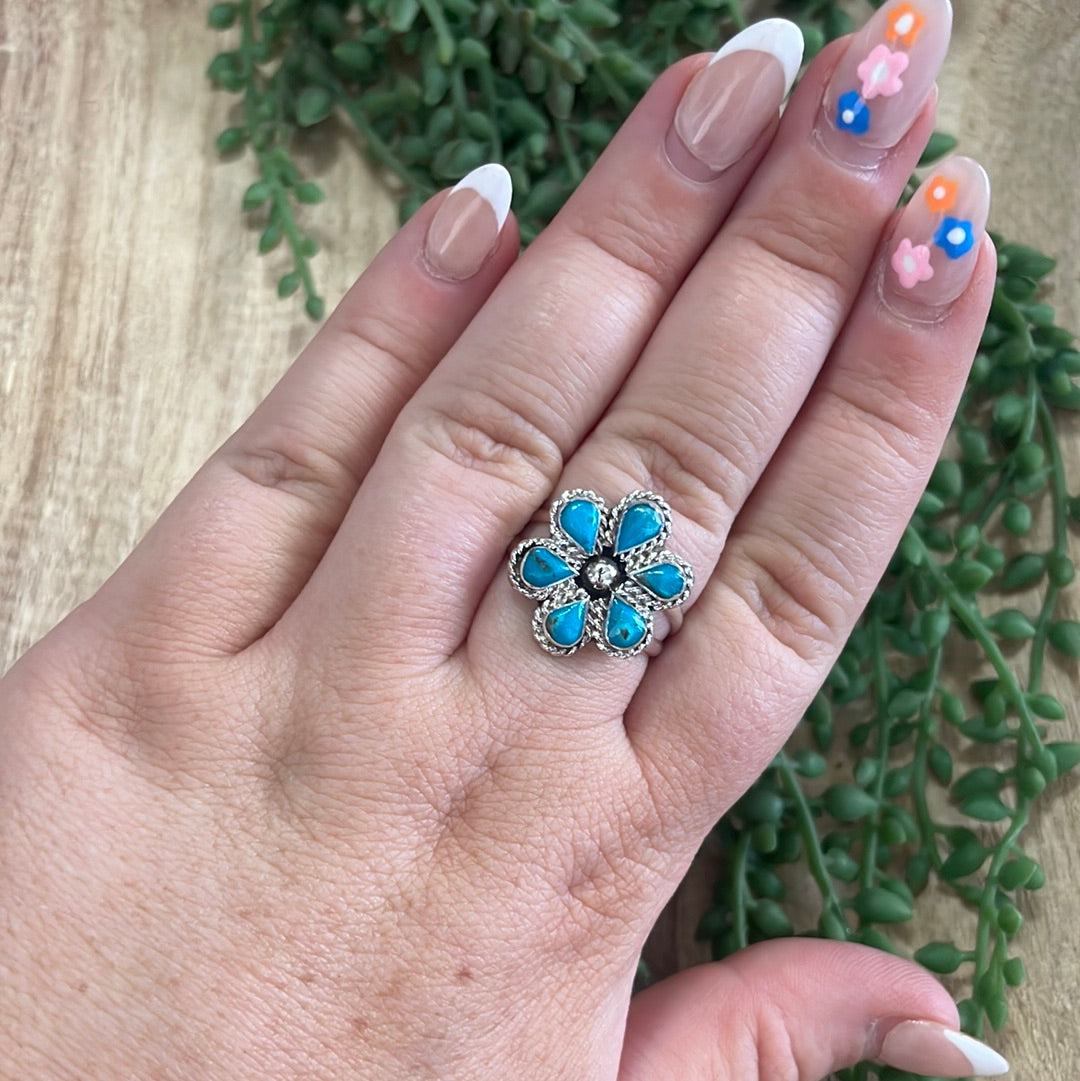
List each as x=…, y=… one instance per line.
x=297, y=795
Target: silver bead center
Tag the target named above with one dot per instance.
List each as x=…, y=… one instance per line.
x=601, y=573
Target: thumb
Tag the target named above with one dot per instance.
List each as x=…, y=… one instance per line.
x=798, y=1009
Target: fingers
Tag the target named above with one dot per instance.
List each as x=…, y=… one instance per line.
x=798, y=1010
x=740, y=346
x=478, y=449
x=242, y=538
x=814, y=538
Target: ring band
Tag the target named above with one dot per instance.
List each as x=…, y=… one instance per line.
x=601, y=574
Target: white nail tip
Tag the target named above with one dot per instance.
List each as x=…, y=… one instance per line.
x=492, y=182
x=985, y=1061
x=778, y=37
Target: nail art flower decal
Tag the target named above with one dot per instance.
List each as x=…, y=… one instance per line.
x=881, y=71
x=955, y=236
x=852, y=113
x=941, y=194
x=912, y=263
x=602, y=573
x=905, y=24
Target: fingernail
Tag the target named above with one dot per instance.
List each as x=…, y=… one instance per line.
x=730, y=101
x=883, y=79
x=926, y=1047
x=934, y=247
x=466, y=228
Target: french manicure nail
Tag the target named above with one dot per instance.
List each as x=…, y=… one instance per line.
x=929, y=1048
x=466, y=228
x=731, y=100
x=934, y=247
x=883, y=79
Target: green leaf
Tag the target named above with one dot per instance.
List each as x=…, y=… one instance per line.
x=256, y=194
x=1017, y=873
x=230, y=141
x=1046, y=706
x=985, y=808
x=978, y=782
x=222, y=16
x=876, y=905
x=1025, y=262
x=315, y=308
x=288, y=284
x=1017, y=518
x=940, y=957
x=401, y=14
x=1014, y=972
x=1025, y=570
x=969, y=575
x=353, y=57
x=848, y=803
x=1011, y=624
x=963, y=861
x=1066, y=756
x=309, y=192
x=594, y=13
x=270, y=238
x=941, y=763
x=770, y=919
x=761, y=805
x=312, y=106
x=939, y=145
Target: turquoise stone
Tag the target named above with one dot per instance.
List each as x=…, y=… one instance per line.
x=640, y=523
x=580, y=521
x=625, y=626
x=665, y=580
x=566, y=625
x=543, y=568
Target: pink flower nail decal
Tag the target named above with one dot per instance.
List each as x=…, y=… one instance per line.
x=881, y=71
x=912, y=263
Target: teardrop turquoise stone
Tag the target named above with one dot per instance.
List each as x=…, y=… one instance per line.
x=566, y=625
x=543, y=568
x=580, y=520
x=640, y=523
x=625, y=626
x=665, y=580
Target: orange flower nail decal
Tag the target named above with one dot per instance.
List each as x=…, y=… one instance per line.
x=905, y=24
x=941, y=194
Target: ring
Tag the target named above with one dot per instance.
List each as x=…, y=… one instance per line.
x=601, y=574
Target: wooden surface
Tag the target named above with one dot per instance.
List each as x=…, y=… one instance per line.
x=137, y=328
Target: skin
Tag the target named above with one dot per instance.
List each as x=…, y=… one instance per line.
x=267, y=813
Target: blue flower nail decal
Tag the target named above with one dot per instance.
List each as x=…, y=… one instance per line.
x=955, y=237
x=601, y=574
x=852, y=113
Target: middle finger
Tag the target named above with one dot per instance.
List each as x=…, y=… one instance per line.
x=742, y=343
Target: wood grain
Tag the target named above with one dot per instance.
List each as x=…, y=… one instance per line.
x=137, y=328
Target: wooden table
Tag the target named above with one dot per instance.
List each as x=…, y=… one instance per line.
x=137, y=328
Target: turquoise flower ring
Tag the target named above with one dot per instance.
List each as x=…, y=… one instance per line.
x=602, y=573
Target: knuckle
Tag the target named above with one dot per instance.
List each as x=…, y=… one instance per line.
x=690, y=460
x=886, y=413
x=371, y=336
x=799, y=593
x=481, y=433
x=628, y=234
x=816, y=247
x=283, y=458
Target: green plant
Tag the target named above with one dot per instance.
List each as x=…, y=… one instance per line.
x=431, y=88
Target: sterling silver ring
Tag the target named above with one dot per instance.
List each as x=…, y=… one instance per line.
x=601, y=574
